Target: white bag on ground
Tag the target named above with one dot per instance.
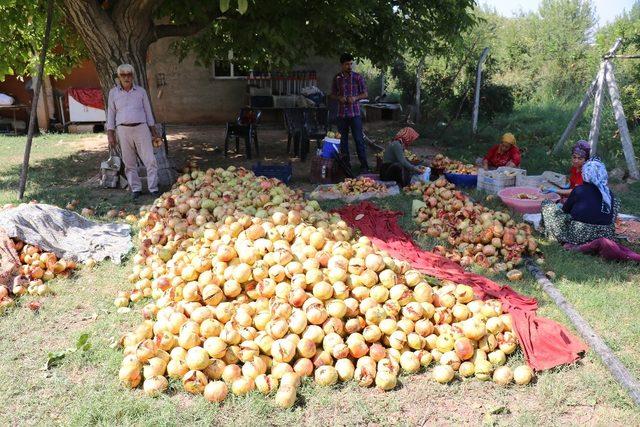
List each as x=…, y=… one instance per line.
x=534, y=219
x=66, y=233
x=6, y=99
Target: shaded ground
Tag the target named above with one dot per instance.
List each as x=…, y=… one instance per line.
x=64, y=167
x=206, y=145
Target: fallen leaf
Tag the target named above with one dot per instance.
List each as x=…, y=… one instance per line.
x=34, y=305
x=500, y=410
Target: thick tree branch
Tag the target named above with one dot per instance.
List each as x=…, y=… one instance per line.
x=168, y=30
x=142, y=7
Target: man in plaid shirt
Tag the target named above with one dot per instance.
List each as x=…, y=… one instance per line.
x=348, y=88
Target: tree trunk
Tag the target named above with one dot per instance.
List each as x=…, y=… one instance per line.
x=476, y=101
x=116, y=36
x=418, y=101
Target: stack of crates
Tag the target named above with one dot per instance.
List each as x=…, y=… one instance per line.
x=547, y=178
x=492, y=181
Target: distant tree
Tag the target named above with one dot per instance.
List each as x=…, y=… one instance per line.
x=563, y=31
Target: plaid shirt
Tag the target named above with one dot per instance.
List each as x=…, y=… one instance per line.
x=350, y=85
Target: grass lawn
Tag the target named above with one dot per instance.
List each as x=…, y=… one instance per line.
x=60, y=165
x=82, y=388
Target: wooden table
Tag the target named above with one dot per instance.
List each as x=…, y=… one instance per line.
x=379, y=112
x=14, y=108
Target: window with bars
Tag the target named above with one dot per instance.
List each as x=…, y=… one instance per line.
x=227, y=69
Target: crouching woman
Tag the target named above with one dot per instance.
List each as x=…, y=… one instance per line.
x=588, y=213
x=395, y=166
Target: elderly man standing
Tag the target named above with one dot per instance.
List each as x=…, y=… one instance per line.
x=348, y=89
x=129, y=114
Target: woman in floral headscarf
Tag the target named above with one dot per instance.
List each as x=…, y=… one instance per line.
x=588, y=213
x=395, y=166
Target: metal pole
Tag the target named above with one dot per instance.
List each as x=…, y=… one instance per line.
x=34, y=102
x=625, y=138
x=626, y=56
x=594, y=133
x=476, y=101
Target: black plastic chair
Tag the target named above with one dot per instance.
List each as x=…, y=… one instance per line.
x=245, y=126
x=294, y=123
x=316, y=126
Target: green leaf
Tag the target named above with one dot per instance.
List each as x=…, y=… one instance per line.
x=224, y=5
x=500, y=410
x=82, y=340
x=243, y=5
x=83, y=343
x=54, y=358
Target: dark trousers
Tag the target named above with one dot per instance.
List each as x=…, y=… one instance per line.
x=395, y=172
x=355, y=124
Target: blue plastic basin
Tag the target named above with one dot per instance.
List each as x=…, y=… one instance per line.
x=462, y=180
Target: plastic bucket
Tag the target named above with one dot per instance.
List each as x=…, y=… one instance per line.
x=330, y=147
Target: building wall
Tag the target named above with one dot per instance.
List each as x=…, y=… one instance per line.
x=83, y=76
x=180, y=92
x=189, y=93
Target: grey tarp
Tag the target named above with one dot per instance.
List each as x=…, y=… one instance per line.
x=66, y=233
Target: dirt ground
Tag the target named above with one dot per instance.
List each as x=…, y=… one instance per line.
x=205, y=144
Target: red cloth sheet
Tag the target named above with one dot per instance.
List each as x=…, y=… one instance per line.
x=607, y=249
x=545, y=343
x=91, y=97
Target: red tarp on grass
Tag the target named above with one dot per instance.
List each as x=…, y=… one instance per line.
x=544, y=342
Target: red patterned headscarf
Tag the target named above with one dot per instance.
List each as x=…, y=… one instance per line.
x=406, y=136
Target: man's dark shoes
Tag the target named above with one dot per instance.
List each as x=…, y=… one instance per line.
x=135, y=195
x=156, y=194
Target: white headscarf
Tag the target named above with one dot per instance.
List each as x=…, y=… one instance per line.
x=594, y=172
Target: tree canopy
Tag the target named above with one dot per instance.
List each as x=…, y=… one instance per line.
x=275, y=33
x=23, y=23
x=281, y=32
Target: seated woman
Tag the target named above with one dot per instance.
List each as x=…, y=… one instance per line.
x=395, y=166
x=579, y=155
x=589, y=212
x=504, y=154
